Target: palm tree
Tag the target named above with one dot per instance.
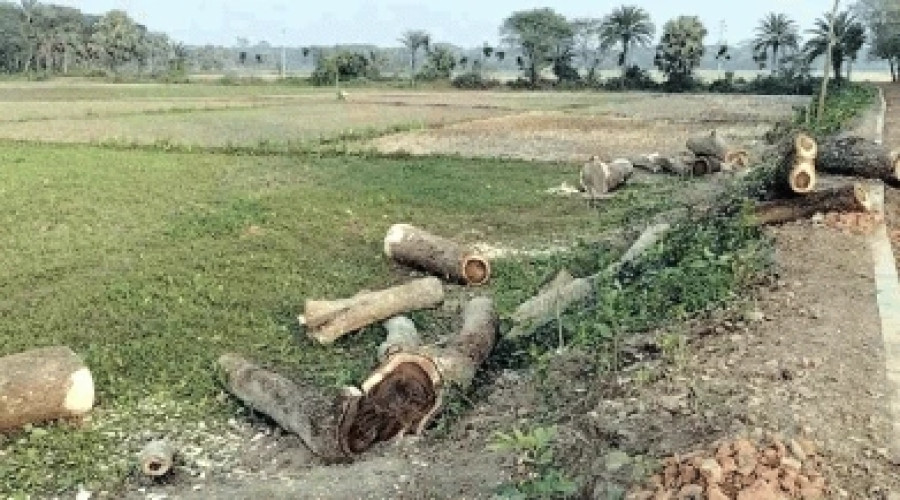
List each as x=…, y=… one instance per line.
x=849, y=37
x=627, y=25
x=414, y=40
x=775, y=31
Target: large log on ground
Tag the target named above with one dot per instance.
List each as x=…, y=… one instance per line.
x=858, y=157
x=599, y=178
x=449, y=260
x=708, y=145
x=850, y=198
x=562, y=294
x=42, y=385
x=404, y=394
x=705, y=165
x=302, y=410
x=328, y=320
x=796, y=169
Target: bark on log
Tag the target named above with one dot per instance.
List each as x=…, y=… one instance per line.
x=599, y=178
x=675, y=165
x=157, y=458
x=402, y=334
x=858, y=157
x=42, y=385
x=415, y=247
x=851, y=198
x=650, y=163
x=302, y=410
x=562, y=294
x=327, y=321
x=405, y=393
x=796, y=170
x=708, y=145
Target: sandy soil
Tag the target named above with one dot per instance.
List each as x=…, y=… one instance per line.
x=612, y=128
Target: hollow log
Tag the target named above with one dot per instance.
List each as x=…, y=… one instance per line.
x=796, y=169
x=850, y=198
x=705, y=165
x=415, y=247
x=563, y=293
x=42, y=385
x=327, y=321
x=408, y=389
x=157, y=458
x=858, y=157
x=708, y=145
x=302, y=410
x=599, y=178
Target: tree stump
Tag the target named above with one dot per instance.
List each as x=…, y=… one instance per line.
x=42, y=385
x=415, y=247
x=328, y=320
x=858, y=157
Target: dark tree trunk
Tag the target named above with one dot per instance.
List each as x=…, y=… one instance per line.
x=851, y=198
x=858, y=157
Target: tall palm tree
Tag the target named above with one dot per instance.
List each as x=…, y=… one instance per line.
x=776, y=32
x=414, y=40
x=627, y=25
x=849, y=37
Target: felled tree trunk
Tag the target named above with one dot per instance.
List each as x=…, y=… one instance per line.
x=858, y=157
x=851, y=198
x=563, y=293
x=302, y=410
x=415, y=247
x=675, y=165
x=599, y=178
x=649, y=163
x=406, y=392
x=327, y=321
x=42, y=385
x=796, y=170
x=401, y=334
x=708, y=146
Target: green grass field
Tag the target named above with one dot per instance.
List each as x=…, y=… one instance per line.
x=152, y=264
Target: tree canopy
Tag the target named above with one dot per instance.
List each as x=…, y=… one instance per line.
x=849, y=38
x=774, y=33
x=542, y=35
x=627, y=26
x=681, y=48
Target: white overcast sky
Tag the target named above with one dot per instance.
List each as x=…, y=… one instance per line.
x=462, y=22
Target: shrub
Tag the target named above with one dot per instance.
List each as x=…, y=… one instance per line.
x=634, y=78
x=474, y=81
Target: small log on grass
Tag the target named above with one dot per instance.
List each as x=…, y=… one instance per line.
x=796, y=169
x=705, y=165
x=302, y=410
x=42, y=385
x=327, y=321
x=449, y=260
x=157, y=458
x=564, y=292
x=709, y=146
x=599, y=178
x=405, y=393
x=858, y=157
x=850, y=198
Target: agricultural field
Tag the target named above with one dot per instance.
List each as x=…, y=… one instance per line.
x=153, y=228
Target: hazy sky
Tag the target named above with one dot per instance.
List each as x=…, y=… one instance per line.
x=462, y=22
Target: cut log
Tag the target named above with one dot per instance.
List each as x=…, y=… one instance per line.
x=405, y=393
x=327, y=321
x=302, y=410
x=858, y=157
x=449, y=260
x=649, y=163
x=705, y=165
x=708, y=145
x=42, y=385
x=599, y=178
x=563, y=293
x=675, y=165
x=157, y=458
x=738, y=158
x=850, y=198
x=796, y=165
x=402, y=334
